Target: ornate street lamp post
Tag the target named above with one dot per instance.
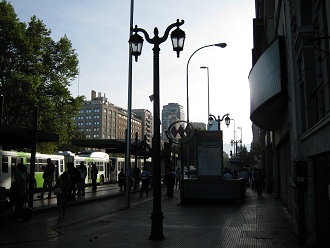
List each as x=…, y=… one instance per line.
x=212, y=118
x=136, y=42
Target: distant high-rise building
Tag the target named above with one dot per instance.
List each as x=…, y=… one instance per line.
x=171, y=112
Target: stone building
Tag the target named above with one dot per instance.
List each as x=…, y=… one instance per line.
x=290, y=109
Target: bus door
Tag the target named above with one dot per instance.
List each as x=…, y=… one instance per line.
x=6, y=172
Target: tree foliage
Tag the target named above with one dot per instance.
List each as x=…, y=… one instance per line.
x=36, y=71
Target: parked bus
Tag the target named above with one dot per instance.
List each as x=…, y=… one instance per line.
x=10, y=159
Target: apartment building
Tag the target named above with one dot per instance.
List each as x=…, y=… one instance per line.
x=100, y=119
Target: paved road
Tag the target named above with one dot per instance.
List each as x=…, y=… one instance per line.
x=257, y=222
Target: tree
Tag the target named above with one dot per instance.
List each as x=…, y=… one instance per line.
x=37, y=71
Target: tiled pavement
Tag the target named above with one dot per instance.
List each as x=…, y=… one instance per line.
x=256, y=222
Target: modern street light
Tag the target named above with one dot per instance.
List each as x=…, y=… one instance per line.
x=208, y=90
x=136, y=42
x=212, y=118
x=222, y=45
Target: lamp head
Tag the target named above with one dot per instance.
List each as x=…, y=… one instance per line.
x=227, y=121
x=178, y=37
x=210, y=120
x=136, y=42
x=222, y=45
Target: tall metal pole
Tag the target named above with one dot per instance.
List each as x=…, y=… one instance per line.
x=129, y=114
x=157, y=214
x=208, y=92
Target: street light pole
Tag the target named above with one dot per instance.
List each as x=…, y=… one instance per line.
x=222, y=45
x=136, y=42
x=208, y=90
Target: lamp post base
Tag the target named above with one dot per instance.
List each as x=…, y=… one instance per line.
x=157, y=225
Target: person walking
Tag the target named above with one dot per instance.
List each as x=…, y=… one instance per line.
x=63, y=183
x=94, y=172
x=258, y=181
x=145, y=182
x=244, y=174
x=48, y=179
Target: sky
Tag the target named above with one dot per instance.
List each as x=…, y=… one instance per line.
x=99, y=31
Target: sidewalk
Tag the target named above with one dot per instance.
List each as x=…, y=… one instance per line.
x=257, y=222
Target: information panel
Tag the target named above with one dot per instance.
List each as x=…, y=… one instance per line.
x=209, y=153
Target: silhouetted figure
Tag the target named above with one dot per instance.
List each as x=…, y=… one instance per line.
x=170, y=180
x=74, y=177
x=121, y=178
x=94, y=172
x=145, y=182
x=258, y=181
x=83, y=173
x=136, y=177
x=62, y=199
x=48, y=178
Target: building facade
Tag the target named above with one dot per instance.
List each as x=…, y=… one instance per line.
x=100, y=119
x=290, y=109
x=171, y=112
x=147, y=123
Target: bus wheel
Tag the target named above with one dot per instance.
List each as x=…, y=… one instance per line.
x=101, y=180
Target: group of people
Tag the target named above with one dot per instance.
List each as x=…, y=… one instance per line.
x=136, y=178
x=172, y=179
x=70, y=183
x=253, y=177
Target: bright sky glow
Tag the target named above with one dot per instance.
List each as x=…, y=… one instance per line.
x=99, y=31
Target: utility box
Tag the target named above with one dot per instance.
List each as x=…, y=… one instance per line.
x=300, y=173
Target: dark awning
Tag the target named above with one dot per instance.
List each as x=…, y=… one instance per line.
x=18, y=137
x=114, y=146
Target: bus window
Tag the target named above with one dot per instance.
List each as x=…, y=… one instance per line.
x=5, y=168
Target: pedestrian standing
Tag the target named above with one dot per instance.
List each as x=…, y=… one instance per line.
x=145, y=177
x=94, y=172
x=170, y=181
x=136, y=177
x=48, y=176
x=83, y=173
x=74, y=177
x=121, y=177
x=20, y=190
x=63, y=182
x=177, y=178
